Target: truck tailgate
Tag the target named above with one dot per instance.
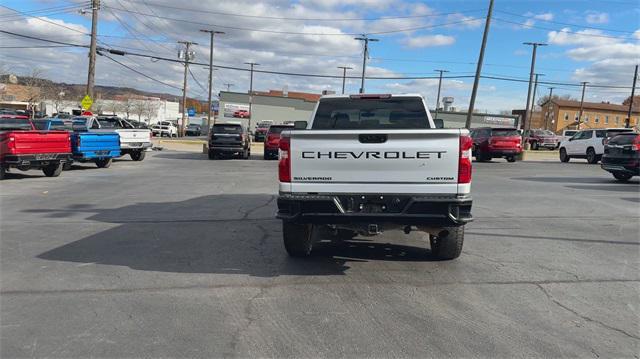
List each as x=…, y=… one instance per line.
x=32, y=142
x=91, y=141
x=134, y=135
x=375, y=161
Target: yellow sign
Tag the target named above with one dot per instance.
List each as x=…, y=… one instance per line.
x=86, y=102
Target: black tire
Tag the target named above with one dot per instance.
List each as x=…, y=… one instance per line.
x=104, y=162
x=534, y=146
x=297, y=239
x=3, y=172
x=481, y=157
x=448, y=244
x=511, y=158
x=246, y=154
x=621, y=176
x=592, y=158
x=212, y=155
x=66, y=166
x=52, y=170
x=564, y=157
x=138, y=155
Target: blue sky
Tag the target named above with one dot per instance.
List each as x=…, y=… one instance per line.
x=595, y=41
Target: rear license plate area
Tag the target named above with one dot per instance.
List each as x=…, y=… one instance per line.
x=45, y=156
x=373, y=203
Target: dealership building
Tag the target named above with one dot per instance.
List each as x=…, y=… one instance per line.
x=276, y=106
x=283, y=106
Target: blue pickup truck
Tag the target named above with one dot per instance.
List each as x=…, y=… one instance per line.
x=100, y=148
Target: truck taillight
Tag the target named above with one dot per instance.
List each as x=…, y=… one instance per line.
x=11, y=145
x=636, y=143
x=464, y=161
x=284, y=166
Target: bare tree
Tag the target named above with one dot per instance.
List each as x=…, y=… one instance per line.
x=98, y=106
x=34, y=92
x=151, y=110
x=127, y=107
x=139, y=108
x=114, y=107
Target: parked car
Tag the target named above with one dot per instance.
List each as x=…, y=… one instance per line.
x=229, y=140
x=567, y=134
x=491, y=143
x=272, y=141
x=23, y=147
x=622, y=156
x=165, y=128
x=261, y=130
x=138, y=124
x=242, y=114
x=541, y=138
x=96, y=147
x=587, y=144
x=133, y=141
x=370, y=163
x=193, y=130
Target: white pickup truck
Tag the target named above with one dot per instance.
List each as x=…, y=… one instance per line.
x=133, y=141
x=369, y=163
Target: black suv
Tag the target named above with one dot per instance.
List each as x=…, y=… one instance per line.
x=229, y=140
x=622, y=156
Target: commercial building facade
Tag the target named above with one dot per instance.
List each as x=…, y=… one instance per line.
x=558, y=115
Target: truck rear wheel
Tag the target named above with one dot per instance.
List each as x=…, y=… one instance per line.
x=52, y=170
x=297, y=239
x=104, y=162
x=2, y=172
x=447, y=244
x=138, y=155
x=511, y=158
x=621, y=176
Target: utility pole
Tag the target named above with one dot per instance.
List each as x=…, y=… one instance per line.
x=228, y=86
x=533, y=100
x=584, y=85
x=366, y=40
x=546, y=116
x=527, y=113
x=344, y=75
x=476, y=81
x=95, y=6
x=252, y=64
x=188, y=55
x=439, y=86
x=212, y=33
x=627, y=122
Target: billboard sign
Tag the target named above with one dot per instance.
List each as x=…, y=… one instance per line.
x=235, y=110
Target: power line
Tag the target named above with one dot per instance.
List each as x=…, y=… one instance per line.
x=564, y=23
x=561, y=30
x=305, y=19
x=45, y=20
x=139, y=73
x=42, y=12
x=503, y=78
x=293, y=32
x=196, y=80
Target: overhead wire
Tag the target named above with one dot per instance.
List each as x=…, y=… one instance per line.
x=532, y=17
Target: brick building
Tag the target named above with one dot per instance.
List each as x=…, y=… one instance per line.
x=558, y=114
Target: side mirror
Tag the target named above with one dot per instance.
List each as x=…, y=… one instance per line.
x=439, y=123
x=300, y=125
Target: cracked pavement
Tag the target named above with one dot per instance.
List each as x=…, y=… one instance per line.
x=179, y=256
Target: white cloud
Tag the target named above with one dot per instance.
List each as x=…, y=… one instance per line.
x=597, y=18
x=610, y=60
x=636, y=34
x=429, y=41
x=547, y=16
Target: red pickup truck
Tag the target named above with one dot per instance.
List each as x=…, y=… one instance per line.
x=25, y=148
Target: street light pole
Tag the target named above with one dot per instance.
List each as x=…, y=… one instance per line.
x=476, y=81
x=439, y=86
x=344, y=75
x=365, y=55
x=187, y=56
x=546, y=118
x=252, y=64
x=533, y=100
x=627, y=122
x=584, y=85
x=228, y=87
x=95, y=6
x=531, y=73
x=212, y=33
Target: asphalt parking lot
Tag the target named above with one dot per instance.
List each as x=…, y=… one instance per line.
x=178, y=256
